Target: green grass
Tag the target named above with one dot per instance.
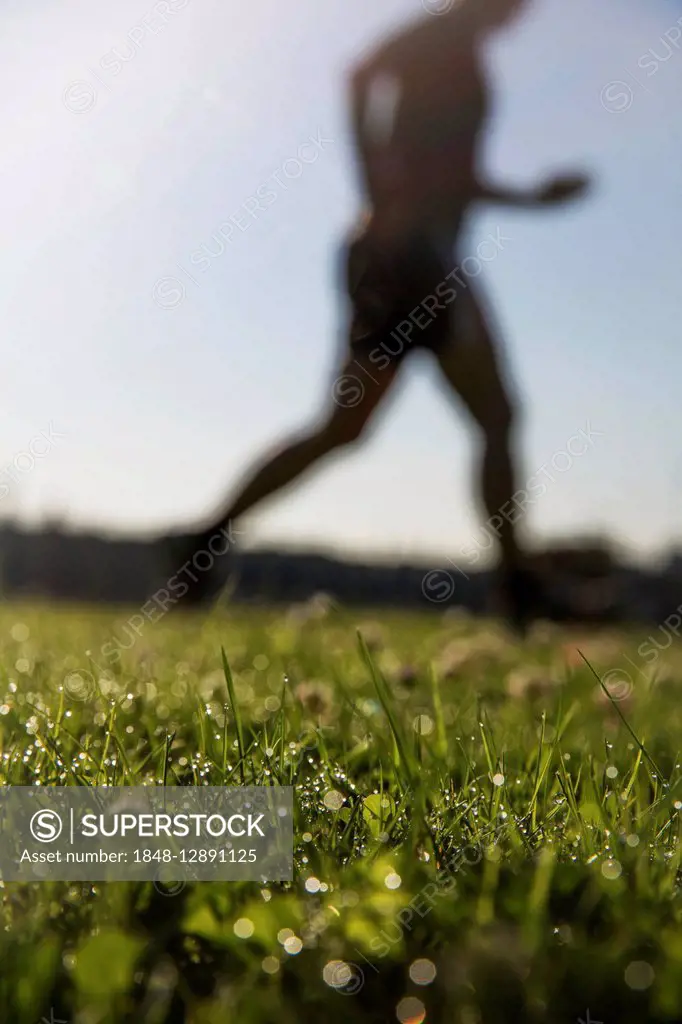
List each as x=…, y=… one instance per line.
x=498, y=826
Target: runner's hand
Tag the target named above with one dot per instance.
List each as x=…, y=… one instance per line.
x=562, y=189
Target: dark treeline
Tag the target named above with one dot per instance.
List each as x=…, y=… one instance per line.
x=59, y=565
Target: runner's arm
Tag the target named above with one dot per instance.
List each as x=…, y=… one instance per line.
x=357, y=86
x=522, y=198
x=555, y=190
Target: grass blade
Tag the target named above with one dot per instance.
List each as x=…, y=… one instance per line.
x=236, y=713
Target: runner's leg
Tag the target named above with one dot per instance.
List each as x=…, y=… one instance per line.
x=470, y=366
x=361, y=387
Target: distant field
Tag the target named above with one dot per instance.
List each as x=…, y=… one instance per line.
x=480, y=838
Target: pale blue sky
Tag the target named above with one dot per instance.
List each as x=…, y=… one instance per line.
x=163, y=409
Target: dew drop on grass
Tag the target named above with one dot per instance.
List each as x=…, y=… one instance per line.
x=334, y=800
x=410, y=1011
x=393, y=880
x=422, y=972
x=270, y=965
x=498, y=779
x=611, y=869
x=244, y=928
x=639, y=975
x=423, y=725
x=337, y=974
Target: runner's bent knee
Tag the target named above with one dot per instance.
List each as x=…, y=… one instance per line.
x=343, y=429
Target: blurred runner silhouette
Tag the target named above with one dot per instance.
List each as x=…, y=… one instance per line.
x=419, y=105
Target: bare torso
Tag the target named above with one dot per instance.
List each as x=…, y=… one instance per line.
x=421, y=102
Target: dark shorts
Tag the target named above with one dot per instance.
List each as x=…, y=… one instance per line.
x=401, y=300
